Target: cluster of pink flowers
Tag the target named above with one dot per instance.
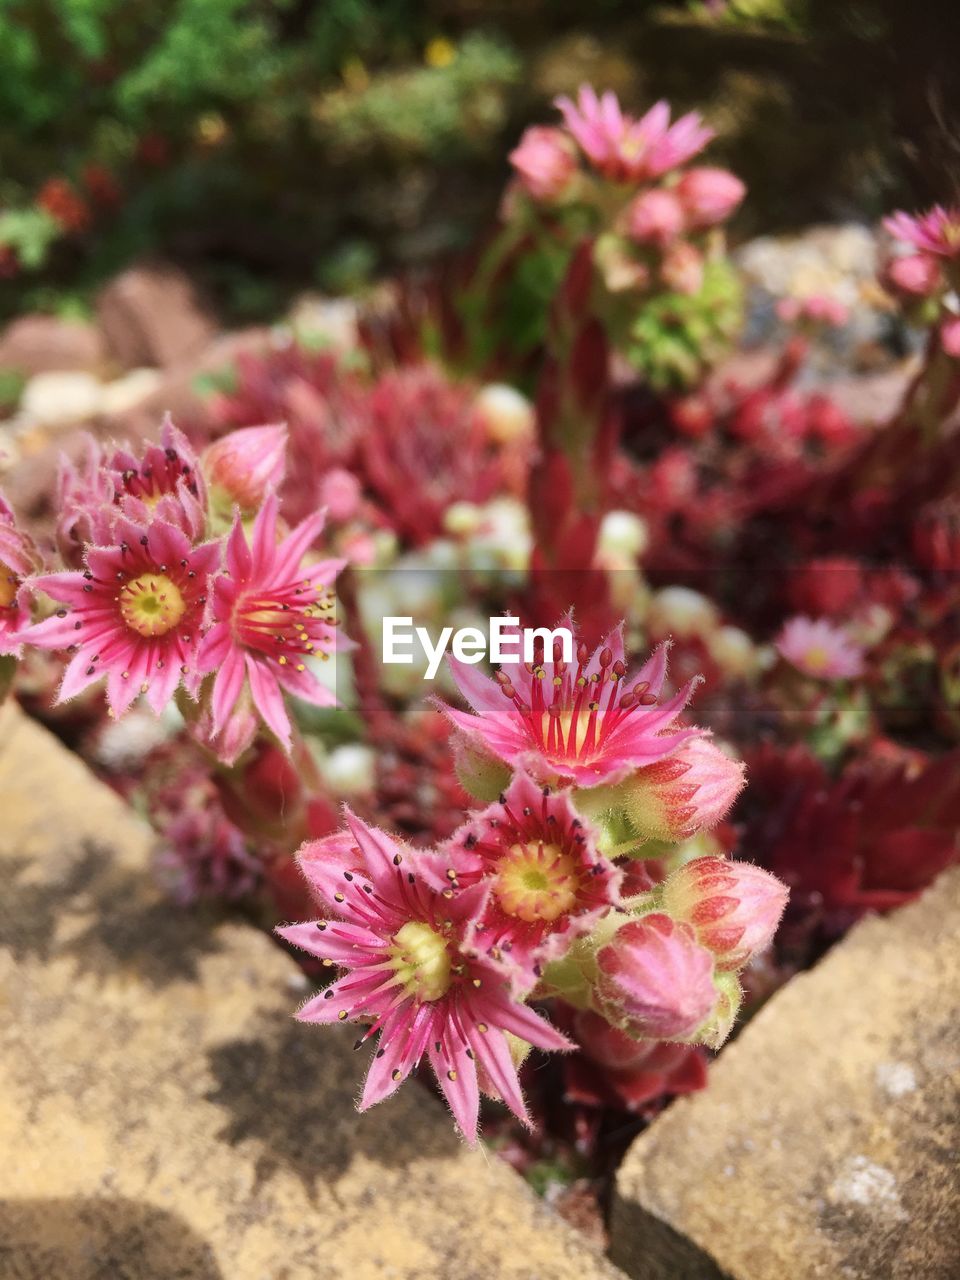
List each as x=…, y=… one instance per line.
x=925, y=267
x=166, y=593
x=588, y=774
x=604, y=159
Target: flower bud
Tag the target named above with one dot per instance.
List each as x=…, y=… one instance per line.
x=682, y=268
x=655, y=217
x=733, y=907
x=683, y=612
x=950, y=336
x=340, y=493
x=546, y=161
x=506, y=414
x=917, y=274
x=709, y=195
x=683, y=794
x=623, y=533
x=244, y=466
x=481, y=774
x=655, y=980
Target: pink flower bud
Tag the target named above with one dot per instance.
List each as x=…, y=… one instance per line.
x=546, y=161
x=950, y=336
x=655, y=979
x=917, y=274
x=683, y=794
x=733, y=907
x=655, y=217
x=682, y=268
x=340, y=493
x=709, y=195
x=244, y=466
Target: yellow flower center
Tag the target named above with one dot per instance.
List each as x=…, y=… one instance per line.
x=536, y=882
x=421, y=960
x=8, y=586
x=817, y=658
x=151, y=604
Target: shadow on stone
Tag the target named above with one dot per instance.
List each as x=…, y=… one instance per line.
x=293, y=1088
x=29, y=911
x=126, y=928
x=100, y=1239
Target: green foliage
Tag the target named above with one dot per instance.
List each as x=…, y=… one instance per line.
x=425, y=112
x=675, y=338
x=228, y=128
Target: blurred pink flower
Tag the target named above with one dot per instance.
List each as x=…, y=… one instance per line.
x=340, y=492
x=656, y=217
x=916, y=273
x=408, y=975
x=18, y=559
x=546, y=161
x=937, y=231
x=709, y=195
x=625, y=149
x=950, y=336
x=819, y=648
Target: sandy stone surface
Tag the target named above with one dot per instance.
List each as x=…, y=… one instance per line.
x=828, y=1142
x=161, y=1115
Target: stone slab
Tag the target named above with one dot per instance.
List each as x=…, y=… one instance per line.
x=162, y=1117
x=827, y=1145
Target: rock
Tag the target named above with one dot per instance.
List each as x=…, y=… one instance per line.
x=42, y=344
x=152, y=316
x=162, y=1113
x=826, y=1144
x=124, y=394
x=60, y=399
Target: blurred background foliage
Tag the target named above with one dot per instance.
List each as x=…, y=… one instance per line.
x=272, y=145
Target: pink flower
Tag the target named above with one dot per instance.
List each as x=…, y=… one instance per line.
x=656, y=980
x=341, y=493
x=655, y=217
x=687, y=792
x=936, y=232
x=18, y=559
x=614, y=1069
x=573, y=722
x=270, y=612
x=546, y=162
x=709, y=195
x=625, y=149
x=950, y=336
x=206, y=856
x=244, y=466
x=134, y=614
x=548, y=882
x=400, y=942
x=917, y=274
x=820, y=649
x=92, y=497
x=733, y=907
x=819, y=308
